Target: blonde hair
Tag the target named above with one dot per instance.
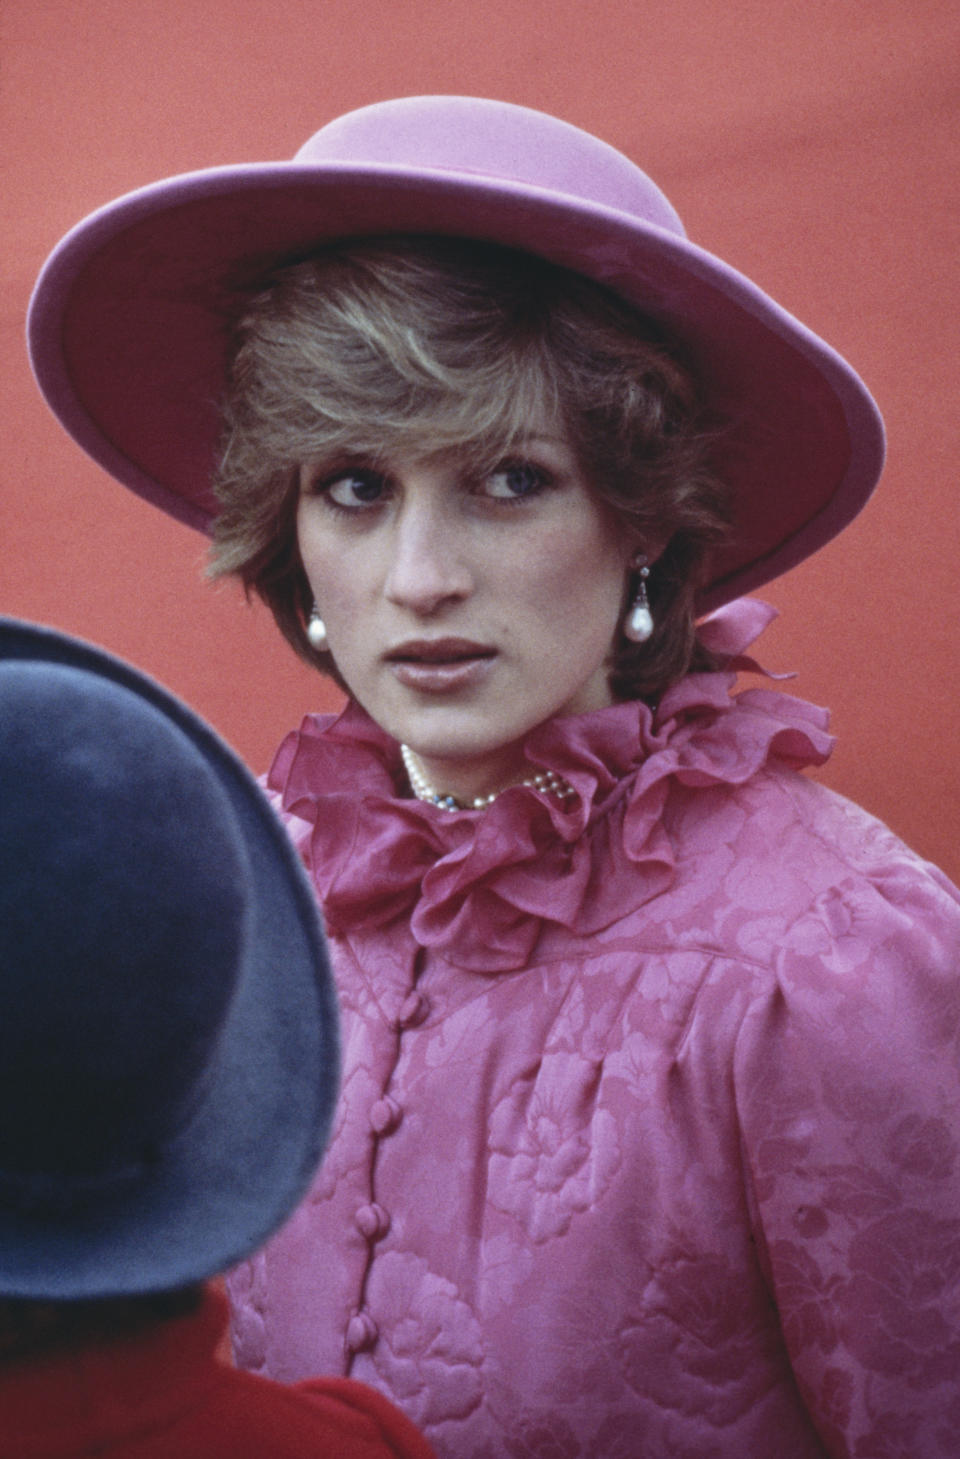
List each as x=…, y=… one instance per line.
x=427, y=344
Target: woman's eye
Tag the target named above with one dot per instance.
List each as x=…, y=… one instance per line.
x=515, y=479
x=354, y=490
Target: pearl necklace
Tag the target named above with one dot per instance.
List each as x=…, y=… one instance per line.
x=546, y=782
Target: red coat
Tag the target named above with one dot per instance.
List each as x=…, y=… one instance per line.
x=164, y=1395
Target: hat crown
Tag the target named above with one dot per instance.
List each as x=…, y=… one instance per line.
x=475, y=136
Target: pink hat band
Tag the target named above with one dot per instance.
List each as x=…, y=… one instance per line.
x=129, y=321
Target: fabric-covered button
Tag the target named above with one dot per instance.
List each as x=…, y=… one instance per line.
x=413, y=1010
x=362, y=1332
x=385, y=1116
x=372, y=1221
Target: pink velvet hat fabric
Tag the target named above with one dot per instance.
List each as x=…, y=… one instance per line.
x=129, y=320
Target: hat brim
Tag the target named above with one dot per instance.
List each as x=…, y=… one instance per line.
x=129, y=322
x=248, y=1155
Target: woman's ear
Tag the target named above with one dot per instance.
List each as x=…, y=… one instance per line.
x=645, y=551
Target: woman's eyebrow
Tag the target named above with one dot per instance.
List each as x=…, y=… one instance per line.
x=533, y=437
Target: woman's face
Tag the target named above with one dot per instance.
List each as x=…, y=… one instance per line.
x=463, y=610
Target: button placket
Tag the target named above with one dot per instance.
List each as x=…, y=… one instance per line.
x=371, y=1219
x=385, y=1115
x=362, y=1332
x=413, y=1010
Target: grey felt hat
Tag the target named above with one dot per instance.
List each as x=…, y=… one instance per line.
x=169, y=1053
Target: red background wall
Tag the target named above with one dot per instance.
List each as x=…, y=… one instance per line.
x=813, y=145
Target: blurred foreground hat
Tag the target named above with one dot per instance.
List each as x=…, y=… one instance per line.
x=168, y=1030
x=130, y=318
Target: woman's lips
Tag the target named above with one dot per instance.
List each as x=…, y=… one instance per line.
x=438, y=666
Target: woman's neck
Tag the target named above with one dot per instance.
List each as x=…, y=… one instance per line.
x=455, y=786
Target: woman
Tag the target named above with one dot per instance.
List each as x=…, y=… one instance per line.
x=647, y=1139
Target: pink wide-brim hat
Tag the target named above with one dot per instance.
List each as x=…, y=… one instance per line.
x=130, y=318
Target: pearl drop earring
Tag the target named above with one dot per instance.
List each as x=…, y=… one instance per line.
x=317, y=631
x=638, y=624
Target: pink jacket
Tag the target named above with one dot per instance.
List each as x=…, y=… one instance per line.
x=649, y=1141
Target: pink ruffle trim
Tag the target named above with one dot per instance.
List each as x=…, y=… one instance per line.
x=375, y=856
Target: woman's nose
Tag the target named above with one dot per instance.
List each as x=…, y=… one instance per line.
x=426, y=567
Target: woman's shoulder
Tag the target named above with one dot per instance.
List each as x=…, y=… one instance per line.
x=784, y=860
x=746, y=821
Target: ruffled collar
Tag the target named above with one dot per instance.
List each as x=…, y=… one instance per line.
x=478, y=885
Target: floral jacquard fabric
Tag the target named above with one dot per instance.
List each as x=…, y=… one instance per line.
x=649, y=1139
